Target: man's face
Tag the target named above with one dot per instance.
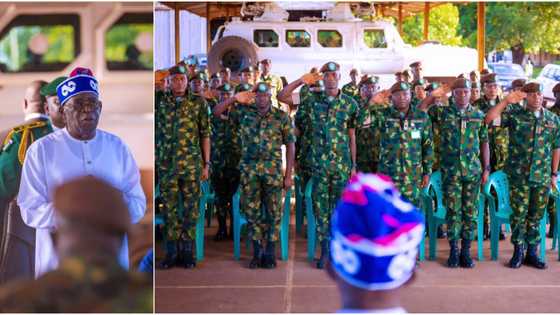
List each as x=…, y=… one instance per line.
x=462, y=96
x=54, y=112
x=331, y=79
x=491, y=90
x=179, y=84
x=245, y=77
x=534, y=100
x=354, y=77
x=161, y=84
x=401, y=99
x=214, y=83
x=266, y=66
x=398, y=77
x=196, y=86
x=263, y=99
x=367, y=90
x=81, y=114
x=475, y=94
x=420, y=92
x=417, y=72
x=225, y=75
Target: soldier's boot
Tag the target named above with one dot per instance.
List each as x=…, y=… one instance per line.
x=441, y=233
x=517, y=258
x=486, y=232
x=453, y=260
x=222, y=229
x=188, y=257
x=257, y=255
x=269, y=257
x=502, y=236
x=170, y=259
x=324, y=254
x=532, y=259
x=552, y=226
x=465, y=260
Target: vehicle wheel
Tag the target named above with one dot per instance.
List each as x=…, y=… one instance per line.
x=233, y=52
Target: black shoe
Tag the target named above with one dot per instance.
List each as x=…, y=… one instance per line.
x=257, y=255
x=465, y=260
x=222, y=229
x=486, y=232
x=532, y=259
x=441, y=233
x=502, y=236
x=269, y=257
x=171, y=257
x=188, y=258
x=517, y=258
x=551, y=229
x=324, y=254
x=453, y=260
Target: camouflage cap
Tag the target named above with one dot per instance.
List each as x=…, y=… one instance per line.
x=226, y=87
x=399, y=86
x=488, y=78
x=416, y=64
x=532, y=87
x=461, y=83
x=556, y=88
x=330, y=66
x=91, y=201
x=418, y=82
x=518, y=83
x=262, y=87
x=50, y=88
x=247, y=69
x=177, y=70
x=369, y=79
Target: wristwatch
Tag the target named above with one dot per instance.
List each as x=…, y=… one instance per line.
x=554, y=174
x=207, y=163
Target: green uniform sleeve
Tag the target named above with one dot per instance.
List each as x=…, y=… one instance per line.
x=483, y=133
x=435, y=113
x=204, y=120
x=10, y=168
x=353, y=120
x=556, y=143
x=287, y=130
x=427, y=147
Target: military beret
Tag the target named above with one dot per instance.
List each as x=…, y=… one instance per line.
x=226, y=87
x=532, y=87
x=266, y=60
x=354, y=71
x=400, y=86
x=406, y=73
x=50, y=88
x=330, y=66
x=247, y=69
x=421, y=82
x=556, y=88
x=432, y=86
x=177, y=70
x=244, y=87
x=488, y=78
x=369, y=79
x=415, y=64
x=262, y=87
x=199, y=75
x=461, y=83
x=94, y=202
x=517, y=83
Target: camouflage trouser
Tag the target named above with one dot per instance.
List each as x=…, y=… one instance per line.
x=498, y=143
x=461, y=197
x=181, y=223
x=224, y=183
x=551, y=210
x=409, y=189
x=261, y=191
x=327, y=189
x=437, y=143
x=528, y=203
x=366, y=166
x=304, y=174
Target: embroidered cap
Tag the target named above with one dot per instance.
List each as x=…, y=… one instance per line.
x=81, y=80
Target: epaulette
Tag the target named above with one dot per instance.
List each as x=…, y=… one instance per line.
x=26, y=137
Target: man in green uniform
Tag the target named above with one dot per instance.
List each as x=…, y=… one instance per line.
x=417, y=71
x=551, y=204
x=188, y=161
x=52, y=103
x=405, y=143
x=351, y=88
x=418, y=92
x=517, y=84
x=464, y=145
x=475, y=92
x=225, y=158
x=18, y=249
x=261, y=130
x=367, y=140
x=272, y=80
x=92, y=220
x=245, y=79
x=532, y=166
x=332, y=118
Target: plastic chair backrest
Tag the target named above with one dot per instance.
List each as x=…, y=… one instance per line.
x=435, y=191
x=499, y=183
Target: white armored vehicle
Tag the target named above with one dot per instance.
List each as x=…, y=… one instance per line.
x=296, y=46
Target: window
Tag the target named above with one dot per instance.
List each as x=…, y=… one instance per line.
x=375, y=39
x=329, y=38
x=265, y=38
x=298, y=38
x=39, y=43
x=128, y=43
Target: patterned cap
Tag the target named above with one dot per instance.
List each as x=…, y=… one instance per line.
x=330, y=66
x=247, y=69
x=244, y=87
x=376, y=234
x=532, y=87
x=199, y=75
x=556, y=88
x=432, y=86
x=399, y=86
x=81, y=80
x=50, y=89
x=518, y=83
x=461, y=83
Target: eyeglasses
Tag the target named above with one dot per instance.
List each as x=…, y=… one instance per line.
x=84, y=107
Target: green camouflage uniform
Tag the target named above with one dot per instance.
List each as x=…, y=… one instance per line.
x=532, y=142
x=551, y=204
x=225, y=157
x=276, y=86
x=405, y=143
x=367, y=140
x=497, y=134
x=77, y=287
x=303, y=142
x=437, y=141
x=461, y=137
x=329, y=119
x=184, y=134
x=260, y=139
x=352, y=90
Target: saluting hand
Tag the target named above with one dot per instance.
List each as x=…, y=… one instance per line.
x=380, y=97
x=245, y=97
x=209, y=94
x=311, y=78
x=515, y=97
x=441, y=91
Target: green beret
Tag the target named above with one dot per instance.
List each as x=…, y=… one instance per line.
x=369, y=79
x=432, y=86
x=517, y=83
x=532, y=87
x=418, y=82
x=226, y=87
x=400, y=86
x=244, y=87
x=199, y=75
x=461, y=83
x=177, y=70
x=50, y=89
x=330, y=66
x=247, y=69
x=488, y=78
x=262, y=88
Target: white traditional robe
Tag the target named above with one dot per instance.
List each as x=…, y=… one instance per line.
x=57, y=158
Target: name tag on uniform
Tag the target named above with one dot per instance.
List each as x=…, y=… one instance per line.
x=415, y=134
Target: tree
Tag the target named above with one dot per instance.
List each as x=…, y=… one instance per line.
x=444, y=23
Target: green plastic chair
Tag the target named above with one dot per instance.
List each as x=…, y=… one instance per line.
x=436, y=217
x=202, y=203
x=300, y=199
x=499, y=183
x=311, y=223
x=206, y=189
x=239, y=220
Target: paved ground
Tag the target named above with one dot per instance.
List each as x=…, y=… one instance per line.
x=219, y=284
